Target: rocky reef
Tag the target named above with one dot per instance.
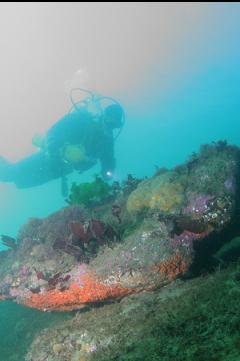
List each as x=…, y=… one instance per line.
x=139, y=239
x=142, y=238
x=184, y=321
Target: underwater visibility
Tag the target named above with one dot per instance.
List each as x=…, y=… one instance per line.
x=120, y=222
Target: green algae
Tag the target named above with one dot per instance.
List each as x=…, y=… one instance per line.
x=90, y=193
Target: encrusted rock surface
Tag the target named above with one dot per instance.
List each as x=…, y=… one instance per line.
x=189, y=320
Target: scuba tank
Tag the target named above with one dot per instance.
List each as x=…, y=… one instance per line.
x=94, y=104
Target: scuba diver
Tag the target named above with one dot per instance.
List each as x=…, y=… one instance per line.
x=75, y=142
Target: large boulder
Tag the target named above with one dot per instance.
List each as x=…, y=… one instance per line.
x=79, y=256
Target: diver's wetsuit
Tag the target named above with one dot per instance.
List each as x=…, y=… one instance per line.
x=74, y=128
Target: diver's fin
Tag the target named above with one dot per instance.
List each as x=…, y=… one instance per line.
x=5, y=170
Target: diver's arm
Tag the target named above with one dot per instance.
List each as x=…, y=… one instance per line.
x=107, y=159
x=85, y=165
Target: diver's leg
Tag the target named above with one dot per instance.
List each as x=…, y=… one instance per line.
x=34, y=170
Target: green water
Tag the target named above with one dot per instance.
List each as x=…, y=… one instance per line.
x=19, y=326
